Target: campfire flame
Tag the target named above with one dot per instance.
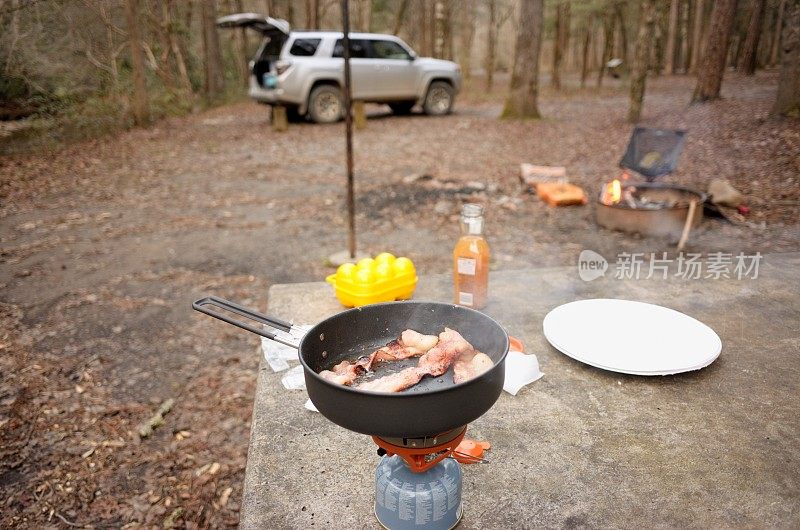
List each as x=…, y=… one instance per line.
x=612, y=193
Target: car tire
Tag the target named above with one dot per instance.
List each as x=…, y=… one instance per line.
x=325, y=104
x=439, y=99
x=402, y=108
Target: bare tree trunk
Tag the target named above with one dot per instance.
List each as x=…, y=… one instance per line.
x=598, y=44
x=238, y=41
x=438, y=28
x=425, y=47
x=765, y=42
x=187, y=23
x=776, y=39
x=244, y=60
x=447, y=30
x=618, y=10
x=175, y=48
x=560, y=42
x=697, y=35
x=657, y=58
x=160, y=27
x=367, y=14
x=312, y=14
x=140, y=104
x=214, y=81
x=432, y=25
x=734, y=48
x=555, y=75
x=640, y=60
x=608, y=45
x=466, y=37
x=749, y=54
x=585, y=54
x=491, y=44
x=787, y=103
x=712, y=65
x=573, y=51
x=672, y=32
x=684, y=32
x=112, y=63
x=13, y=31
x=401, y=13
x=594, y=43
x=523, y=94
x=566, y=33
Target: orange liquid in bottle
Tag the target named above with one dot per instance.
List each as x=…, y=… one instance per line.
x=471, y=271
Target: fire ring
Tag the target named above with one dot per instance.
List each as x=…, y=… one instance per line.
x=661, y=211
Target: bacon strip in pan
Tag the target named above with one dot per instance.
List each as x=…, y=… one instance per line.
x=394, y=382
x=346, y=372
x=434, y=363
x=410, y=344
x=470, y=364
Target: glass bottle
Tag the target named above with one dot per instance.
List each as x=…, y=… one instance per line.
x=471, y=260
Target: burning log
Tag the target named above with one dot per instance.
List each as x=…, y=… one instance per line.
x=632, y=196
x=611, y=193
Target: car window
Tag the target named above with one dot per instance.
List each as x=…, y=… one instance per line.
x=304, y=47
x=358, y=49
x=388, y=49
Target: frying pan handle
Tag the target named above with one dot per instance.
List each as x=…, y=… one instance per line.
x=203, y=305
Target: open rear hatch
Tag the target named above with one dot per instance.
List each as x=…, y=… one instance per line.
x=275, y=31
x=256, y=22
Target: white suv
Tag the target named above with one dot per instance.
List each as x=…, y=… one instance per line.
x=304, y=71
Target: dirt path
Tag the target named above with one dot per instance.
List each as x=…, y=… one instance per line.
x=105, y=244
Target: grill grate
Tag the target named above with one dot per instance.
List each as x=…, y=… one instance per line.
x=653, y=152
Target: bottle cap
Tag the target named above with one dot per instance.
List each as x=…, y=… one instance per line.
x=472, y=209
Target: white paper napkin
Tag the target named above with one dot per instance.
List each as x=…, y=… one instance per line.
x=277, y=354
x=521, y=369
x=294, y=379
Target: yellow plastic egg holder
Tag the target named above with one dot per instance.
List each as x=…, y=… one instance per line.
x=383, y=278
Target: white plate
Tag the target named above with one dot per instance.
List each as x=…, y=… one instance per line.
x=631, y=337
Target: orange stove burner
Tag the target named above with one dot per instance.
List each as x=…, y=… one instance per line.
x=421, y=454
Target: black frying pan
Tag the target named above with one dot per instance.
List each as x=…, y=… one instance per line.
x=432, y=407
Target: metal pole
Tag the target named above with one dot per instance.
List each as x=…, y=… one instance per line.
x=348, y=125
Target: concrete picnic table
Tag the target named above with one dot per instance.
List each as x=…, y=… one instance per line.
x=581, y=446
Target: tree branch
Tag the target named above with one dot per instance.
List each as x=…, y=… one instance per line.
x=91, y=58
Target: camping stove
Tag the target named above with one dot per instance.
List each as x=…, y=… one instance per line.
x=417, y=484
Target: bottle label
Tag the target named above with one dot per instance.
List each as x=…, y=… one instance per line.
x=465, y=298
x=467, y=266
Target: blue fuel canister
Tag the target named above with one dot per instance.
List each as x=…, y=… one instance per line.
x=405, y=500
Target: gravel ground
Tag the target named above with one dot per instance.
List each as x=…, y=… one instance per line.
x=104, y=244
